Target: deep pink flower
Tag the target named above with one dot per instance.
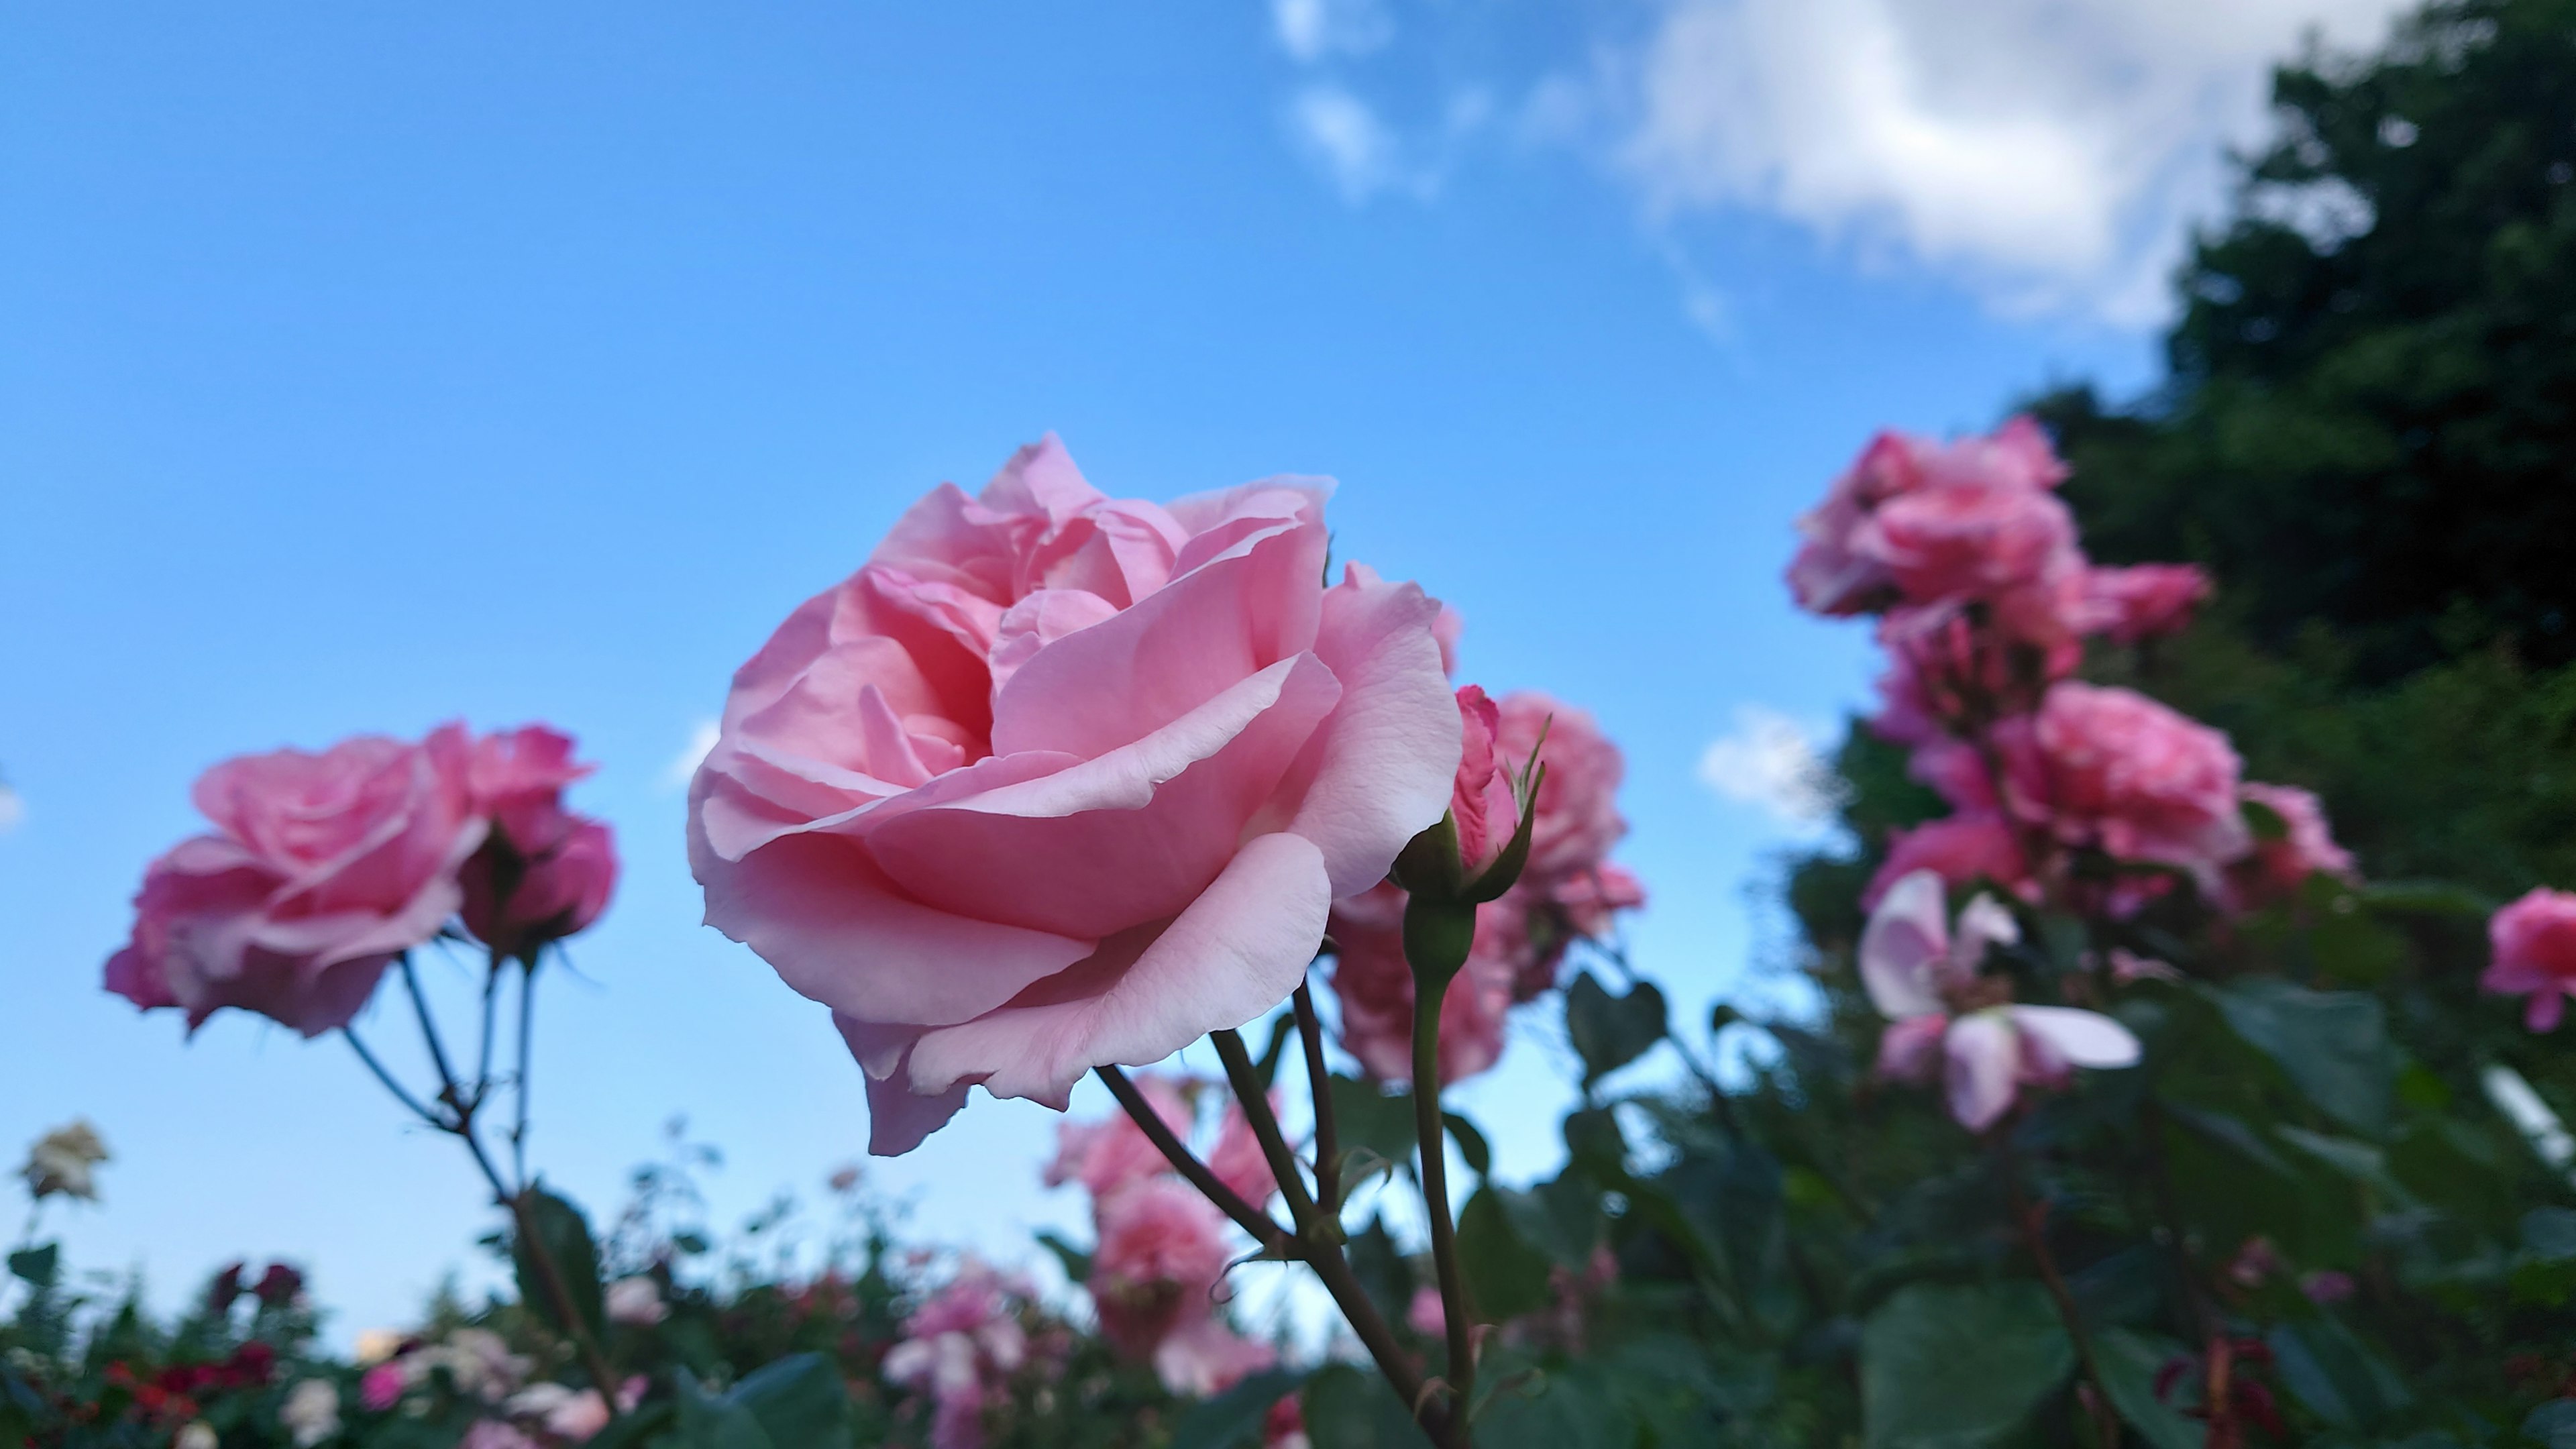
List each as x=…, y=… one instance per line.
x=543, y=873
x=1947, y=1021
x=1374, y=986
x=2274, y=870
x=381, y=1386
x=2532, y=946
x=2143, y=601
x=2113, y=768
x=1960, y=849
x=322, y=869
x=1162, y=1250
x=1059, y=780
x=1482, y=802
x=1995, y=542
x=1846, y=565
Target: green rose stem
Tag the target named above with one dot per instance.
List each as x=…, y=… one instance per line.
x=458, y=1122
x=1319, y=1083
x=1429, y=1128
x=2031, y=1219
x=1309, y=1244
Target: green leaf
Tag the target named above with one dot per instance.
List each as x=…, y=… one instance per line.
x=1368, y=1119
x=2427, y=898
x=1956, y=1367
x=799, y=1402
x=2333, y=1045
x=2549, y=1234
x=1505, y=1276
x=1567, y=1410
x=1347, y=1408
x=1611, y=1031
x=2340, y=1380
x=1471, y=1143
x=1382, y=1270
x=1077, y=1263
x=708, y=1422
x=626, y=1430
x=566, y=1240
x=1233, y=1419
x=1561, y=1218
x=2130, y=1363
x=37, y=1266
x=2264, y=821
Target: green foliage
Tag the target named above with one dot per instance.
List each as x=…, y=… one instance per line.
x=569, y=1272
x=1956, y=1367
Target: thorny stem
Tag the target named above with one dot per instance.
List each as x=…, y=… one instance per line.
x=1435, y=1205
x=1319, y=1082
x=1265, y=1130
x=2032, y=1220
x=521, y=1203
x=1323, y=1255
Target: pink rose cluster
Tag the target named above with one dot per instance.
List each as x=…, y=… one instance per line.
x=1162, y=1249
x=2532, y=954
x=1568, y=889
x=1058, y=780
x=960, y=1347
x=1985, y=597
x=323, y=869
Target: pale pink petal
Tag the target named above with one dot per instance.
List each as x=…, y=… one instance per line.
x=1382, y=770
x=1910, y=1050
x=1983, y=922
x=1238, y=951
x=1906, y=940
x=1985, y=1068
x=2084, y=1038
x=898, y=1117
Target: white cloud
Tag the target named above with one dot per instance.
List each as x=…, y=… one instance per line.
x=675, y=775
x=2045, y=151
x=1773, y=763
x=1310, y=30
x=13, y=809
x=1342, y=134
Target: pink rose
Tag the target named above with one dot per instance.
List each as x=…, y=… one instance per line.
x=1107, y=1155
x=2276, y=869
x=1843, y=567
x=322, y=869
x=2113, y=768
x=960, y=1346
x=495, y=1434
x=1960, y=850
x=543, y=872
x=1285, y=1425
x=1989, y=541
x=1374, y=985
x=1481, y=801
x=1206, y=1357
x=1057, y=780
x=2532, y=945
x=1949, y=1021
x=1575, y=819
x=1161, y=1253
x=1533, y=925
x=2143, y=601
x=381, y=1386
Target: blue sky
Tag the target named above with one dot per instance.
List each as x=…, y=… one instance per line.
x=362, y=368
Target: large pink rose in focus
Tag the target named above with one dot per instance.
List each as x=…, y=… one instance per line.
x=2114, y=768
x=543, y=872
x=1057, y=780
x=1373, y=984
x=321, y=870
x=2533, y=946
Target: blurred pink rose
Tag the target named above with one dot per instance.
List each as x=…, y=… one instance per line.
x=1285, y=1426
x=1533, y=926
x=321, y=871
x=1575, y=819
x=2145, y=600
x=1947, y=1021
x=1374, y=985
x=2532, y=946
x=2275, y=870
x=1112, y=1152
x=960, y=1347
x=1058, y=780
x=495, y=1434
x=381, y=1387
x=1426, y=1314
x=1844, y=566
x=1961, y=850
x=543, y=873
x=2113, y=768
x=1206, y=1357
x=1481, y=801
x=1162, y=1250
x=1985, y=541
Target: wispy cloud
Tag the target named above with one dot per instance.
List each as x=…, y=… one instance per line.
x=1310, y=30
x=1774, y=764
x=702, y=738
x=1342, y=134
x=2044, y=152
x=13, y=808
